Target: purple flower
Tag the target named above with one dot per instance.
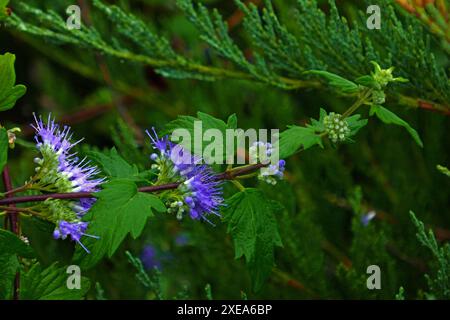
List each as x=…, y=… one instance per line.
x=182, y=239
x=201, y=192
x=59, y=170
x=50, y=134
x=73, y=229
x=365, y=219
x=262, y=152
x=67, y=172
x=204, y=195
x=149, y=258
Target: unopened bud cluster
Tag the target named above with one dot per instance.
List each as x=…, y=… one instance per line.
x=262, y=152
x=382, y=78
x=336, y=127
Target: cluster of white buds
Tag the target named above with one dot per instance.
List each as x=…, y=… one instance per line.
x=25, y=240
x=262, y=152
x=378, y=97
x=336, y=127
x=382, y=78
x=177, y=207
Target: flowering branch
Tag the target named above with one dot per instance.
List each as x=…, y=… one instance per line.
x=226, y=175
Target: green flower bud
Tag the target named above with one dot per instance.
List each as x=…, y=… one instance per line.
x=384, y=76
x=378, y=97
x=60, y=210
x=336, y=127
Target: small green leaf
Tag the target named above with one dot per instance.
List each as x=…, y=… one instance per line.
x=211, y=122
x=355, y=124
x=295, y=137
x=120, y=209
x=317, y=125
x=50, y=284
x=389, y=117
x=340, y=83
x=112, y=164
x=400, y=79
x=9, y=93
x=3, y=148
x=10, y=248
x=367, y=81
x=13, y=95
x=207, y=122
x=253, y=227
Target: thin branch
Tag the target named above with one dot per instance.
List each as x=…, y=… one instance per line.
x=227, y=175
x=419, y=103
x=13, y=219
x=14, y=223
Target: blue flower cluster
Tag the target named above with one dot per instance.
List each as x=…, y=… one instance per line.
x=60, y=170
x=199, y=192
x=262, y=152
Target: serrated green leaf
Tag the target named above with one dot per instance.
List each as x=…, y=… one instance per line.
x=3, y=148
x=211, y=122
x=207, y=122
x=10, y=248
x=9, y=265
x=11, y=244
x=50, y=284
x=112, y=164
x=355, y=124
x=9, y=93
x=14, y=94
x=317, y=125
x=322, y=114
x=120, y=209
x=389, y=117
x=7, y=74
x=187, y=122
x=295, y=137
x=336, y=81
x=254, y=230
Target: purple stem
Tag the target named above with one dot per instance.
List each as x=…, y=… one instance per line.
x=13, y=220
x=227, y=175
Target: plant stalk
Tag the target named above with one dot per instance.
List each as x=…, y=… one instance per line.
x=13, y=218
